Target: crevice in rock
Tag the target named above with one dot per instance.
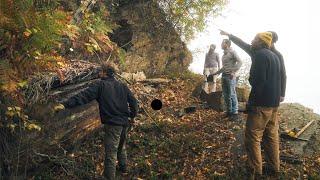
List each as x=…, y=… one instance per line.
x=123, y=35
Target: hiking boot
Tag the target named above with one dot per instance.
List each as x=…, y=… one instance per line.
x=252, y=174
x=235, y=118
x=255, y=177
x=226, y=115
x=271, y=173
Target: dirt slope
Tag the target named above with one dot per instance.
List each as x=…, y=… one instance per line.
x=199, y=145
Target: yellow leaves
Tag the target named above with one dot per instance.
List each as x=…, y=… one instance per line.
x=12, y=127
x=148, y=163
x=16, y=117
x=92, y=46
x=59, y=107
x=34, y=30
x=27, y=33
x=72, y=31
x=180, y=2
x=219, y=174
x=50, y=62
x=169, y=120
x=37, y=53
x=23, y=84
x=33, y=127
x=61, y=64
x=10, y=113
x=17, y=108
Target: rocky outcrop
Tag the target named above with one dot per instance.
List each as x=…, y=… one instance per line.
x=293, y=115
x=215, y=99
x=152, y=44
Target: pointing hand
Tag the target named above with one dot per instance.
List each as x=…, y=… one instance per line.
x=222, y=32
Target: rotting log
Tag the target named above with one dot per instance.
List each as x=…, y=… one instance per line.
x=60, y=132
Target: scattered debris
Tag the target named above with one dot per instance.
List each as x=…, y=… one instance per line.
x=291, y=159
x=294, y=133
x=134, y=77
x=287, y=136
x=187, y=110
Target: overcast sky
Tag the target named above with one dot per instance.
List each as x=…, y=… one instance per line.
x=298, y=28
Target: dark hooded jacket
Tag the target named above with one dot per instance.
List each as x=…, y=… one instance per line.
x=116, y=102
x=265, y=75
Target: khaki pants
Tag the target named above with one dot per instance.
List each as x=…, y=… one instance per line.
x=262, y=125
x=115, y=139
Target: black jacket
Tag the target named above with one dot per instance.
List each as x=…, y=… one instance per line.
x=116, y=102
x=265, y=76
x=283, y=73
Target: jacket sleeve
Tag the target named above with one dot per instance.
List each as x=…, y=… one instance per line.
x=258, y=75
x=239, y=42
x=84, y=97
x=133, y=105
x=220, y=71
x=237, y=60
x=283, y=74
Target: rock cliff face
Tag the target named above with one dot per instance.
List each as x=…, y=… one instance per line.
x=152, y=44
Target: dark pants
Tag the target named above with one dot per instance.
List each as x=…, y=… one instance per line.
x=115, y=140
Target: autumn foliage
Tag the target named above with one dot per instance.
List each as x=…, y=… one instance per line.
x=38, y=36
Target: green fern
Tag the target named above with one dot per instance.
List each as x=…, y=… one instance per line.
x=27, y=30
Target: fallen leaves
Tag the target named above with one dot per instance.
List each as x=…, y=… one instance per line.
x=199, y=145
x=194, y=145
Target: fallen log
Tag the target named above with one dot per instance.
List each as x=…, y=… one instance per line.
x=61, y=133
x=156, y=81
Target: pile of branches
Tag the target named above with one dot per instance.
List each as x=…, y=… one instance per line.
x=74, y=72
